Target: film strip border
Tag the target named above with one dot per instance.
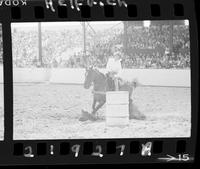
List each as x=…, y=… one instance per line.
x=47, y=10
x=120, y=151
x=93, y=151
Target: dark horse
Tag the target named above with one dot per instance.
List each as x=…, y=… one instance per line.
x=102, y=83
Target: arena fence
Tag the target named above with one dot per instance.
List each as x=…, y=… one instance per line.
x=1, y=73
x=148, y=77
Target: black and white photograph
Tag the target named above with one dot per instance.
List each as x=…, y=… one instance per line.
x=101, y=79
x=1, y=87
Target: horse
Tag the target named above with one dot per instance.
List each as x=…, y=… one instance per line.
x=103, y=83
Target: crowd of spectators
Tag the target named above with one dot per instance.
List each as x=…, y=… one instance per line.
x=146, y=48
x=148, y=38
x=156, y=60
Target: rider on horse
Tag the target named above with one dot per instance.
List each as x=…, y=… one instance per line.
x=114, y=68
x=102, y=83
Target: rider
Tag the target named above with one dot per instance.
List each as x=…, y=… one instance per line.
x=114, y=68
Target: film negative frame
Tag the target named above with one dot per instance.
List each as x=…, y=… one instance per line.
x=14, y=152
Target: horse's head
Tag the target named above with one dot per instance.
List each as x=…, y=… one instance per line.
x=89, y=77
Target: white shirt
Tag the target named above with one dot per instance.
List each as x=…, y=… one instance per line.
x=114, y=65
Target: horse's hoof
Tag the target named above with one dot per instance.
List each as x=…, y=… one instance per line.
x=143, y=118
x=84, y=116
x=92, y=117
x=84, y=111
x=82, y=119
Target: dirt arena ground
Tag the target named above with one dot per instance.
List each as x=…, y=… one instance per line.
x=1, y=112
x=52, y=111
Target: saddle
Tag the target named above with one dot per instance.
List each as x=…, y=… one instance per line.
x=111, y=82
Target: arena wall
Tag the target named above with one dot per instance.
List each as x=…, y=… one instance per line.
x=30, y=75
x=149, y=77
x=1, y=73
x=73, y=76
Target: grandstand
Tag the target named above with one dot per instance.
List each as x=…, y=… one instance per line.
x=160, y=45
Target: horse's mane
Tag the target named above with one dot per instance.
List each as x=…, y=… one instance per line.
x=102, y=74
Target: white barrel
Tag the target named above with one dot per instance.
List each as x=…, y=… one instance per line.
x=117, y=108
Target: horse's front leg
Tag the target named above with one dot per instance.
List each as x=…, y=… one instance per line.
x=98, y=107
x=94, y=104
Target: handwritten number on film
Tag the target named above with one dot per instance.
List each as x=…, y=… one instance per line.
x=75, y=149
x=28, y=152
x=98, y=153
x=122, y=148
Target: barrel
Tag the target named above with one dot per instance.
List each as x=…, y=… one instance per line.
x=117, y=108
